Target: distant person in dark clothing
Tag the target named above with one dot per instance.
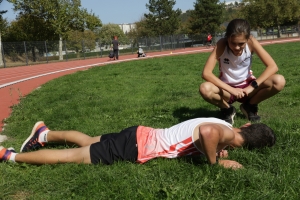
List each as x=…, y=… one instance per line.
x=115, y=47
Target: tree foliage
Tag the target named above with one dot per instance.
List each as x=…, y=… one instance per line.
x=162, y=19
x=206, y=16
x=108, y=31
x=184, y=22
x=25, y=29
x=2, y=11
x=3, y=27
x=140, y=30
x=231, y=11
x=269, y=13
x=78, y=40
x=61, y=15
x=3, y=21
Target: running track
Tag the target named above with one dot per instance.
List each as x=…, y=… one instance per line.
x=17, y=82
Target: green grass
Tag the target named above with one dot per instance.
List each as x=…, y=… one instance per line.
x=159, y=93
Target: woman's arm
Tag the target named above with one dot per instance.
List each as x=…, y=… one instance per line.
x=210, y=64
x=271, y=66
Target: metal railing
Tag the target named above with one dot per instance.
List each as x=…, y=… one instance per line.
x=37, y=52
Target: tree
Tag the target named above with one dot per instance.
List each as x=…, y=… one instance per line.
x=140, y=30
x=206, y=16
x=162, y=19
x=3, y=26
x=61, y=15
x=269, y=13
x=108, y=31
x=232, y=11
x=184, y=24
x=76, y=40
x=24, y=28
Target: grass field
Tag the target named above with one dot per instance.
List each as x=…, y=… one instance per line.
x=157, y=92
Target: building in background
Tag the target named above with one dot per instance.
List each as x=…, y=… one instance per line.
x=126, y=27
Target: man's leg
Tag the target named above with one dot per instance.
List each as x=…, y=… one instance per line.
x=117, y=51
x=76, y=155
x=40, y=135
x=72, y=137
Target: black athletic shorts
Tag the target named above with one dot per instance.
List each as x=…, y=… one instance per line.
x=115, y=147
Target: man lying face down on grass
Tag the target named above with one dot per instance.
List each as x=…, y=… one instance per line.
x=206, y=136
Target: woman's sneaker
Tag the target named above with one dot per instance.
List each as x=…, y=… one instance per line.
x=32, y=142
x=250, y=111
x=228, y=114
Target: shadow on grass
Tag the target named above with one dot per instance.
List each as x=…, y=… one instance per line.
x=185, y=113
x=194, y=160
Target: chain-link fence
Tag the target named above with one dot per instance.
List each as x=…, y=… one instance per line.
x=36, y=52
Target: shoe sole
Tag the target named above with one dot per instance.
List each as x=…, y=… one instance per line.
x=31, y=135
x=232, y=117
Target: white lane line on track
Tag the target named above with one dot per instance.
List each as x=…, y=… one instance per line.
x=88, y=66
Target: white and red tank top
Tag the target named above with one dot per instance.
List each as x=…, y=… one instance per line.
x=170, y=142
x=235, y=70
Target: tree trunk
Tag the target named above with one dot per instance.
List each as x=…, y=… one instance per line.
x=60, y=48
x=1, y=58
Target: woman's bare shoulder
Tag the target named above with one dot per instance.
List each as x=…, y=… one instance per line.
x=221, y=44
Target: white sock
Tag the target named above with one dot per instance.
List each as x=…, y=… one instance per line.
x=43, y=136
x=12, y=156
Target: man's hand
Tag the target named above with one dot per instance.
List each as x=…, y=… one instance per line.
x=230, y=164
x=222, y=154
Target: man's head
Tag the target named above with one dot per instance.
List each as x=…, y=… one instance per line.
x=257, y=136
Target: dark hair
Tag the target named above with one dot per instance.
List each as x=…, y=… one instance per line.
x=237, y=27
x=258, y=136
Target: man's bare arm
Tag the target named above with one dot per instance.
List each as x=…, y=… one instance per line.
x=209, y=137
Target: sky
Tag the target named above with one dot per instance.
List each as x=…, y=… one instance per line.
x=118, y=12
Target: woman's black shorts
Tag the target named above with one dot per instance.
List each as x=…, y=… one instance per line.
x=115, y=147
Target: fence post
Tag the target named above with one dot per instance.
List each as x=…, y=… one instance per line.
x=2, y=51
x=66, y=51
x=131, y=43
x=26, y=53
x=160, y=43
x=100, y=48
x=83, y=48
x=46, y=51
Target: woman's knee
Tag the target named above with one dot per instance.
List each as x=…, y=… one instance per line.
x=206, y=89
x=278, y=82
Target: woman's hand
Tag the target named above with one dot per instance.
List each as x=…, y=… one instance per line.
x=238, y=92
x=248, y=90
